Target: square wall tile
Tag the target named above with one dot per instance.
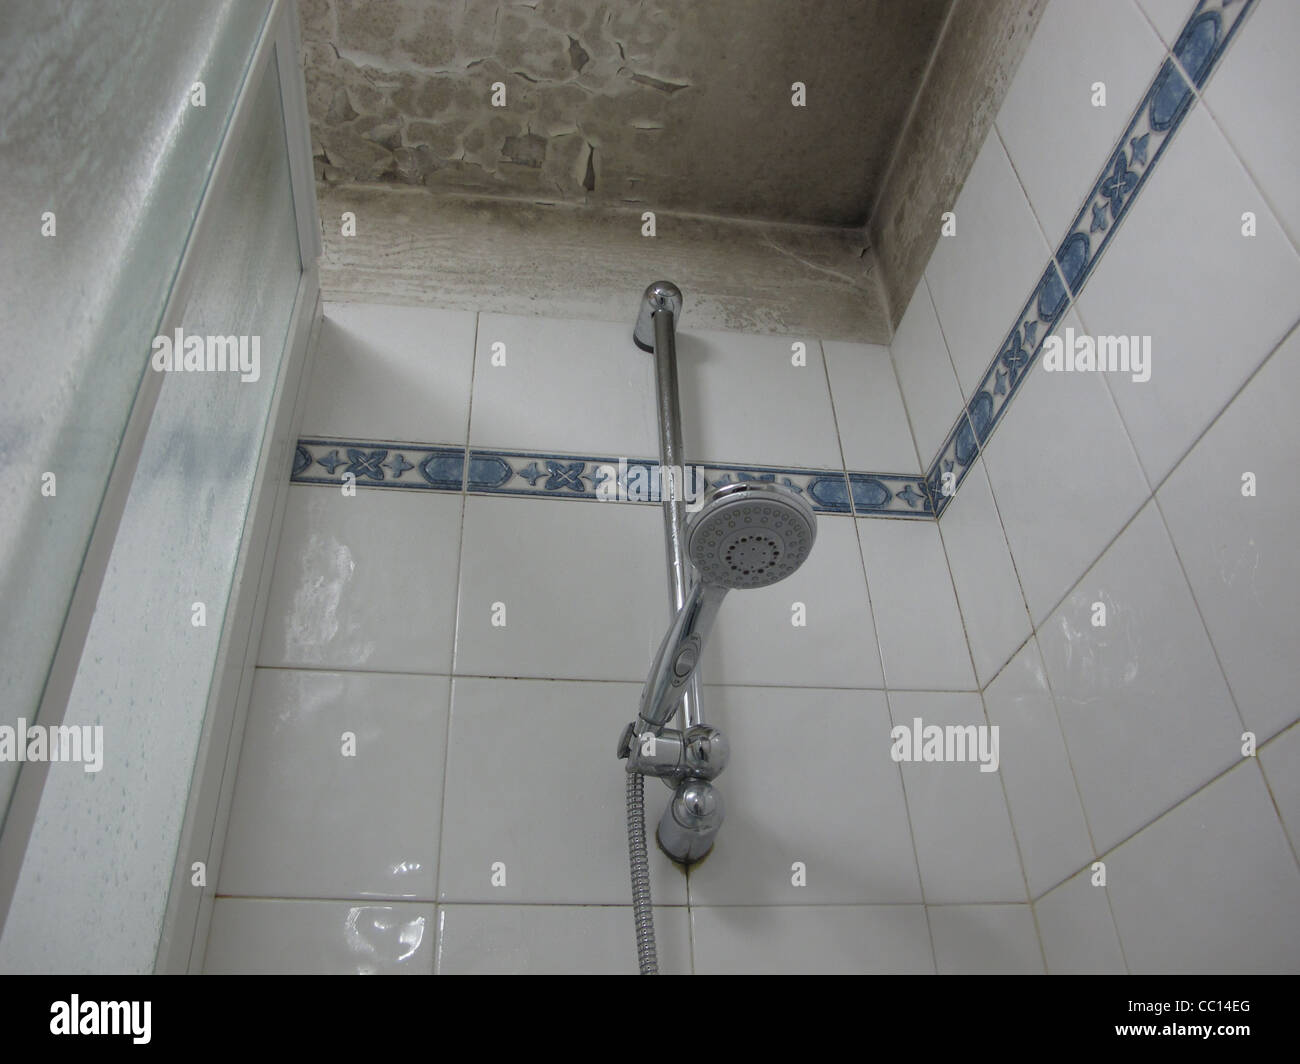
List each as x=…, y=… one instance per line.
x=985, y=940
x=981, y=275
x=810, y=783
x=534, y=807
x=1035, y=767
x=812, y=940
x=922, y=640
x=339, y=791
x=1054, y=134
x=745, y=400
x=1078, y=932
x=1239, y=551
x=391, y=373
x=556, y=940
x=1253, y=94
x=1213, y=302
x=756, y=639
x=926, y=376
x=984, y=576
x=581, y=387
x=365, y=581
x=1065, y=477
x=1146, y=713
x=278, y=937
x=1168, y=16
x=964, y=842
x=1211, y=887
x=561, y=589
x=869, y=409
x=1280, y=760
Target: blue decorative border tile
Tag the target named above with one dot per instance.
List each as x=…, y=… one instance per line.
x=379, y=465
x=433, y=467
x=1202, y=42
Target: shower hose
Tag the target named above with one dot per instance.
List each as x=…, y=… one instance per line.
x=640, y=862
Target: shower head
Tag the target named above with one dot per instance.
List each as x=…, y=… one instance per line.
x=751, y=534
x=748, y=535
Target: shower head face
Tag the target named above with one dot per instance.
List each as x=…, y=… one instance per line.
x=751, y=535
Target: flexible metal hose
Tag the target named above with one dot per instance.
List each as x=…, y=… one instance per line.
x=639, y=859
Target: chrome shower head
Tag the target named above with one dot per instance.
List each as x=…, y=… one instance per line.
x=751, y=534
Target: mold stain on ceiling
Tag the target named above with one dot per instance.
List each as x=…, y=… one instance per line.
x=681, y=105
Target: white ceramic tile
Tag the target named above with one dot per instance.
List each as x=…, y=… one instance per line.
x=925, y=375
x=917, y=621
x=364, y=582
x=311, y=820
x=988, y=588
x=391, y=373
x=810, y=940
x=982, y=274
x=1280, y=761
x=1212, y=887
x=810, y=781
x=533, y=785
x=1077, y=929
x=756, y=641
x=275, y=937
x=1056, y=137
x=744, y=400
x=1065, y=478
x=985, y=940
x=1045, y=808
x=1213, y=302
x=1146, y=713
x=869, y=409
x=1168, y=16
x=1253, y=92
x=582, y=585
x=556, y=940
x=1239, y=552
x=964, y=842
x=581, y=387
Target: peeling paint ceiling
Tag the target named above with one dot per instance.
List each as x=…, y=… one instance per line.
x=680, y=105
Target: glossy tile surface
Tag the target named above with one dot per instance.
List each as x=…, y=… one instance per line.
x=989, y=264
x=339, y=791
x=1077, y=929
x=1147, y=716
x=576, y=386
x=869, y=411
x=810, y=940
x=985, y=940
x=352, y=588
x=280, y=937
x=397, y=373
x=815, y=809
x=556, y=940
x=984, y=576
x=576, y=591
x=922, y=640
x=755, y=399
x=1238, y=550
x=812, y=629
x=964, y=842
x=1237, y=885
x=534, y=804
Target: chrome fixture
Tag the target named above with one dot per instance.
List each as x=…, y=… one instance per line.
x=747, y=535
